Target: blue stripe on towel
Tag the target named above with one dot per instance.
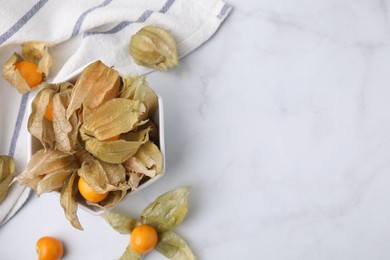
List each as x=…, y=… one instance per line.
x=166, y=6
x=145, y=15
x=22, y=21
x=79, y=23
x=18, y=124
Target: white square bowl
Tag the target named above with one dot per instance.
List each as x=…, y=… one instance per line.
x=158, y=118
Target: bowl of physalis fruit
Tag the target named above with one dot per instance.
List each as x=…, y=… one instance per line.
x=95, y=139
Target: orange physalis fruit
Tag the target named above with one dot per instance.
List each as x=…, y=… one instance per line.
x=49, y=111
x=143, y=239
x=29, y=71
x=88, y=193
x=49, y=248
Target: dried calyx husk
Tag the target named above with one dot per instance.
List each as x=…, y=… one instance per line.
x=47, y=170
x=36, y=52
x=68, y=200
x=164, y=214
x=13, y=76
x=147, y=161
x=137, y=88
x=96, y=85
x=99, y=129
x=115, y=117
x=154, y=47
x=48, y=122
x=117, y=151
x=7, y=172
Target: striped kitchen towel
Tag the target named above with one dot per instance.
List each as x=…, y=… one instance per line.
x=89, y=30
x=82, y=32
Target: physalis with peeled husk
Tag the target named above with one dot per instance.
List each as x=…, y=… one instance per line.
x=154, y=47
x=28, y=71
x=98, y=140
x=7, y=171
x=155, y=228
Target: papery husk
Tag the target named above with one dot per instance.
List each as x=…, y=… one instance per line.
x=153, y=132
x=38, y=52
x=83, y=155
x=137, y=88
x=112, y=152
x=154, y=47
x=12, y=75
x=115, y=173
x=103, y=177
x=167, y=211
x=61, y=133
x=50, y=167
x=96, y=84
x=116, y=151
x=139, y=135
x=68, y=200
x=130, y=254
x=150, y=156
x=114, y=117
x=7, y=166
x=121, y=223
x=65, y=129
x=38, y=126
x=63, y=86
x=7, y=172
x=53, y=181
x=4, y=187
x=173, y=247
x=113, y=198
x=134, y=165
x=134, y=179
x=148, y=160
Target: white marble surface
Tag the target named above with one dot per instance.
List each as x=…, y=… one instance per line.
x=281, y=124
